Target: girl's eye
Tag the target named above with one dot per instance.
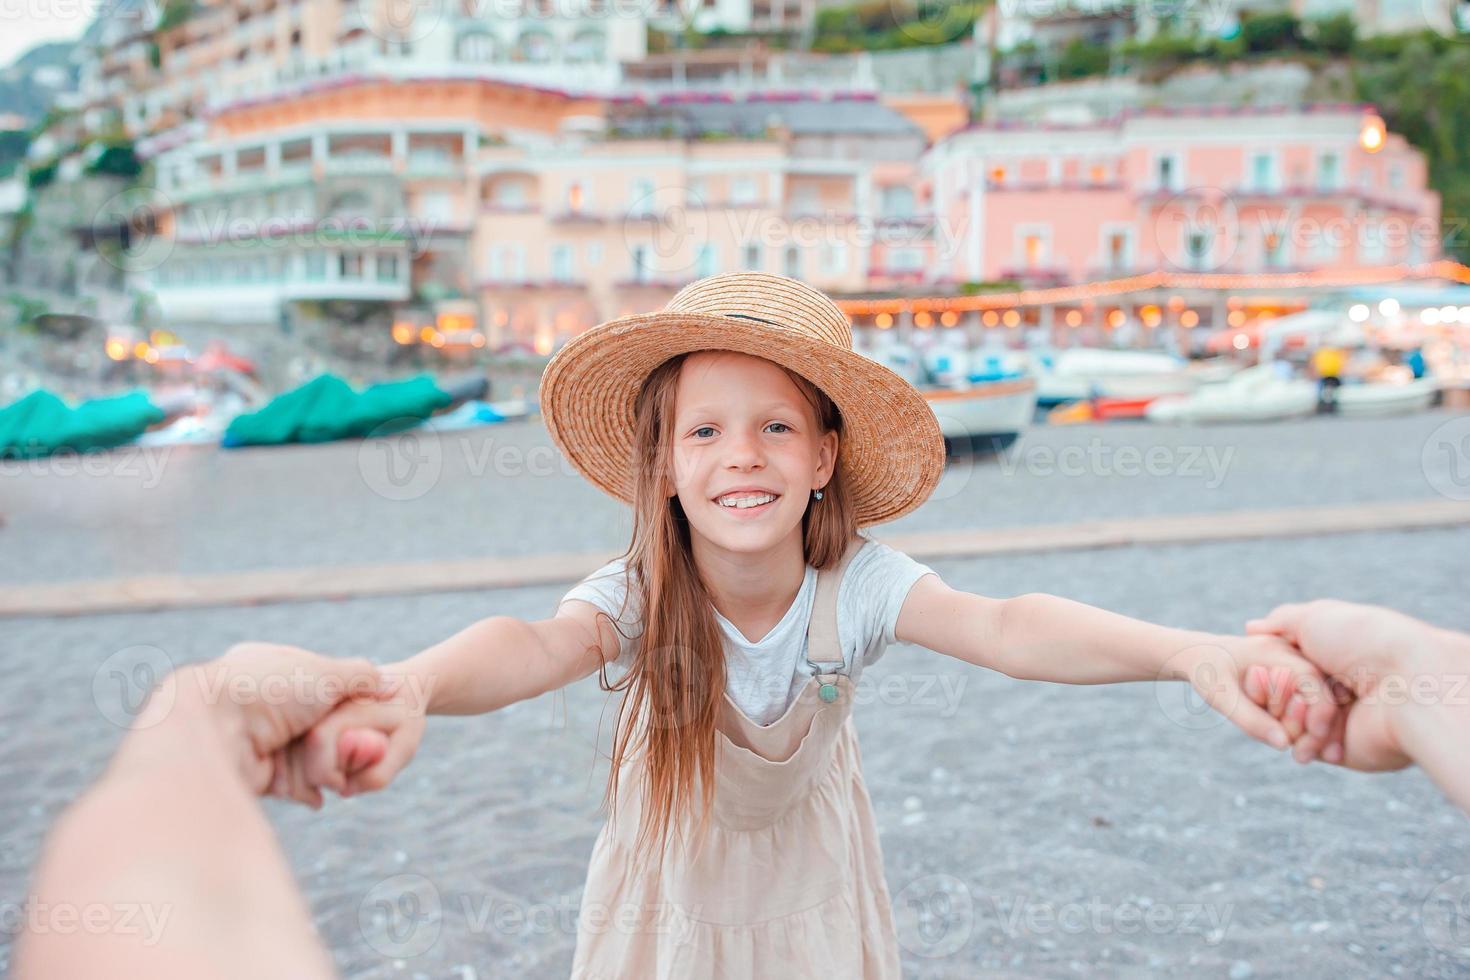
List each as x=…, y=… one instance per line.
x=779, y=427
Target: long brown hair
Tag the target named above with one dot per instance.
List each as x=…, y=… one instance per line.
x=676, y=680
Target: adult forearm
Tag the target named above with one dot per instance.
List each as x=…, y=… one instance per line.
x=195, y=886
x=1049, y=638
x=484, y=667
x=1431, y=716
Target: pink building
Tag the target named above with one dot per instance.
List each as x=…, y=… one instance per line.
x=1199, y=189
x=615, y=220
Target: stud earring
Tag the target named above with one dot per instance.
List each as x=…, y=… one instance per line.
x=816, y=495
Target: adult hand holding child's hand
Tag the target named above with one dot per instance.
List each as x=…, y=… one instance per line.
x=363, y=744
x=1223, y=673
x=1367, y=652
x=261, y=698
x=1405, y=685
x=184, y=780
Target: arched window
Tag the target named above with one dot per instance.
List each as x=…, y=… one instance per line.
x=535, y=47
x=898, y=202
x=351, y=204
x=476, y=46
x=587, y=47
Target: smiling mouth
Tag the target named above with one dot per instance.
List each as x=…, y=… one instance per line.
x=746, y=501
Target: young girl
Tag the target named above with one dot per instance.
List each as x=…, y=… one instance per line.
x=753, y=443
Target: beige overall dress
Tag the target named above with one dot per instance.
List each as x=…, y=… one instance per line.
x=788, y=883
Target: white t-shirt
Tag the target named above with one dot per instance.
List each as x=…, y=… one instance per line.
x=763, y=677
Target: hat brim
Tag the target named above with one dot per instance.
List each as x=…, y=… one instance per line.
x=891, y=451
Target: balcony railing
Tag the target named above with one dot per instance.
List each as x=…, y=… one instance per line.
x=1037, y=273
x=1120, y=270
x=896, y=275
x=422, y=164
x=206, y=184
x=827, y=217
x=904, y=220
x=345, y=289
x=359, y=165
x=529, y=282
x=1306, y=192
x=652, y=282
x=1034, y=186
x=578, y=216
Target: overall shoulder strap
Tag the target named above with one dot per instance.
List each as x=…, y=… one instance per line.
x=821, y=644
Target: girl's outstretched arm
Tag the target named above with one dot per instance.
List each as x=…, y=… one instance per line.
x=501, y=660
x=365, y=743
x=1048, y=638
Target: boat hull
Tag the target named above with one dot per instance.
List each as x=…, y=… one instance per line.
x=1092, y=373
x=983, y=418
x=1385, y=399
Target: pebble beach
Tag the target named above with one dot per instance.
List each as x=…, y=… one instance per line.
x=1029, y=829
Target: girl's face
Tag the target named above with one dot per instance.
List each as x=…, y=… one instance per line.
x=747, y=451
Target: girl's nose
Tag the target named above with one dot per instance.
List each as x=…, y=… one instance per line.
x=744, y=451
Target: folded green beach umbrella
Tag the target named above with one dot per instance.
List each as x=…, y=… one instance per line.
x=326, y=408
x=41, y=424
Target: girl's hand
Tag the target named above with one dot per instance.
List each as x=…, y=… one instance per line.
x=1253, y=679
x=1361, y=647
x=363, y=744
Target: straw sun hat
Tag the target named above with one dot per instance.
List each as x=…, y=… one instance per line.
x=891, y=449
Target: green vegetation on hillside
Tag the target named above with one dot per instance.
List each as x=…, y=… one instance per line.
x=882, y=25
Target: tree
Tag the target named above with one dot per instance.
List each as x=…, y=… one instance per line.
x=1081, y=59
x=1334, y=35
x=1271, y=32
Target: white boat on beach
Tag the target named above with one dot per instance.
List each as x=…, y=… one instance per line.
x=1386, y=398
x=985, y=417
x=1085, y=372
x=1257, y=394
x=982, y=399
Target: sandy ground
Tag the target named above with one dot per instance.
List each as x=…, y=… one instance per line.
x=1029, y=829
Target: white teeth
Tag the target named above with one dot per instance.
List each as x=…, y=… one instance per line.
x=743, y=502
